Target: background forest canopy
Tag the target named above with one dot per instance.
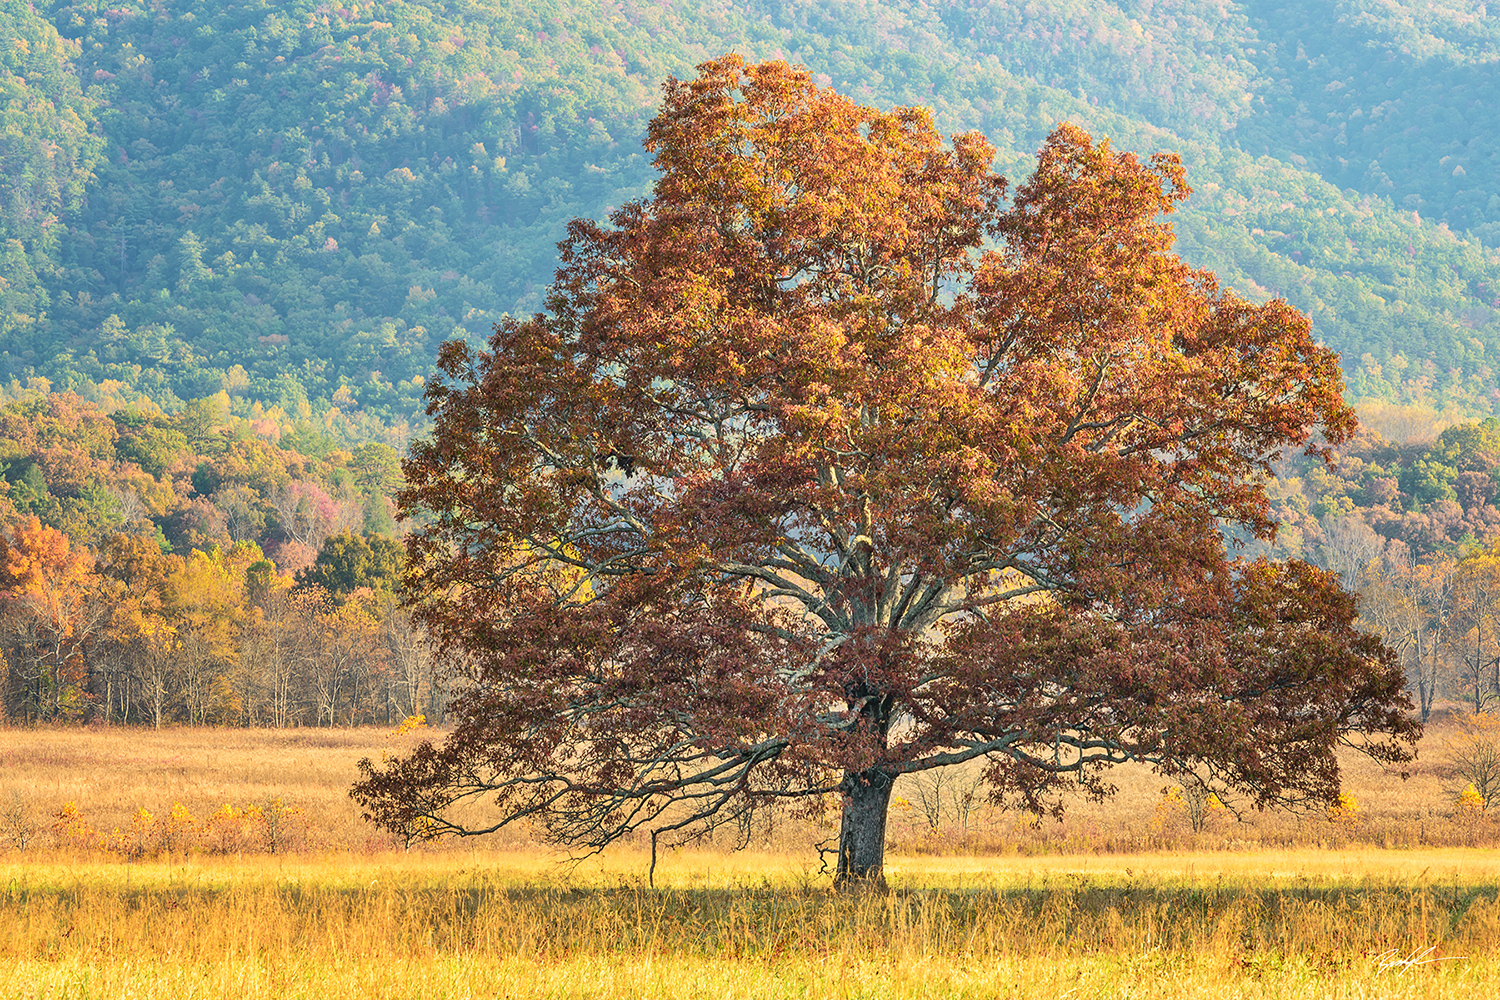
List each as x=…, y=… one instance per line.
x=232, y=236
x=296, y=202
x=157, y=569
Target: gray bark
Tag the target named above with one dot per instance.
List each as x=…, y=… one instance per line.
x=867, y=799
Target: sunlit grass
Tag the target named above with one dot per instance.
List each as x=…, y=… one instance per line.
x=113, y=773
x=1165, y=976
x=1314, y=924
x=1059, y=910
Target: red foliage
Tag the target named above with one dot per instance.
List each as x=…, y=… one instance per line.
x=796, y=488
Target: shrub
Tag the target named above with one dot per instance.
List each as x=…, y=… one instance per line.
x=1471, y=759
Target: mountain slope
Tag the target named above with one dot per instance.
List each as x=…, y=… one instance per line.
x=297, y=201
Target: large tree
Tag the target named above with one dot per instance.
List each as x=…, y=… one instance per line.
x=830, y=463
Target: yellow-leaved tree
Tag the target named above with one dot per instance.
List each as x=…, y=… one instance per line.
x=50, y=613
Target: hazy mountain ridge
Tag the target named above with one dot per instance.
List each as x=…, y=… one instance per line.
x=328, y=191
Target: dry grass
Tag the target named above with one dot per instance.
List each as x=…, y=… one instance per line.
x=1417, y=812
x=112, y=773
x=349, y=916
x=1350, y=924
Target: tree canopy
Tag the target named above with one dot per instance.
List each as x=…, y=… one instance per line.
x=347, y=562
x=797, y=488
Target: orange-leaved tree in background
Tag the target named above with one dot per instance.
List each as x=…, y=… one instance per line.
x=51, y=611
x=134, y=661
x=798, y=488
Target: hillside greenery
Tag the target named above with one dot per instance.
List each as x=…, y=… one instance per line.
x=294, y=203
x=232, y=236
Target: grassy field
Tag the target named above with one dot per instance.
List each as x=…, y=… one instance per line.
x=461, y=924
x=110, y=774
x=1316, y=906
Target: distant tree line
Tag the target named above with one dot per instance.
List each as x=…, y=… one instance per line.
x=159, y=569
x=129, y=634
x=196, y=567
x=1413, y=525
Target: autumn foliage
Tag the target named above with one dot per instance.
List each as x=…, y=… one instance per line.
x=148, y=571
x=50, y=605
x=799, y=486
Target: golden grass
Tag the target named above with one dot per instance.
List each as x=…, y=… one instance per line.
x=1371, y=923
x=110, y=773
x=1076, y=909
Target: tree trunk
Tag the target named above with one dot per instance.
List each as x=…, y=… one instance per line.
x=867, y=798
x=1426, y=682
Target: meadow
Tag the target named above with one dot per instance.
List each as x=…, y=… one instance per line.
x=1273, y=906
x=1363, y=923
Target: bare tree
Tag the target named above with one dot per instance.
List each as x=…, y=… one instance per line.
x=197, y=667
x=271, y=655
x=928, y=788
x=1433, y=586
x=1199, y=800
x=155, y=655
x=1476, y=636
x=1409, y=606
x=113, y=666
x=18, y=819
x=1349, y=548
x=1472, y=758
x=338, y=655
x=133, y=513
x=243, y=518
x=947, y=792
x=409, y=653
x=305, y=513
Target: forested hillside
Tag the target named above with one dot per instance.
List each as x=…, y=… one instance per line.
x=232, y=236
x=282, y=200
x=196, y=568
